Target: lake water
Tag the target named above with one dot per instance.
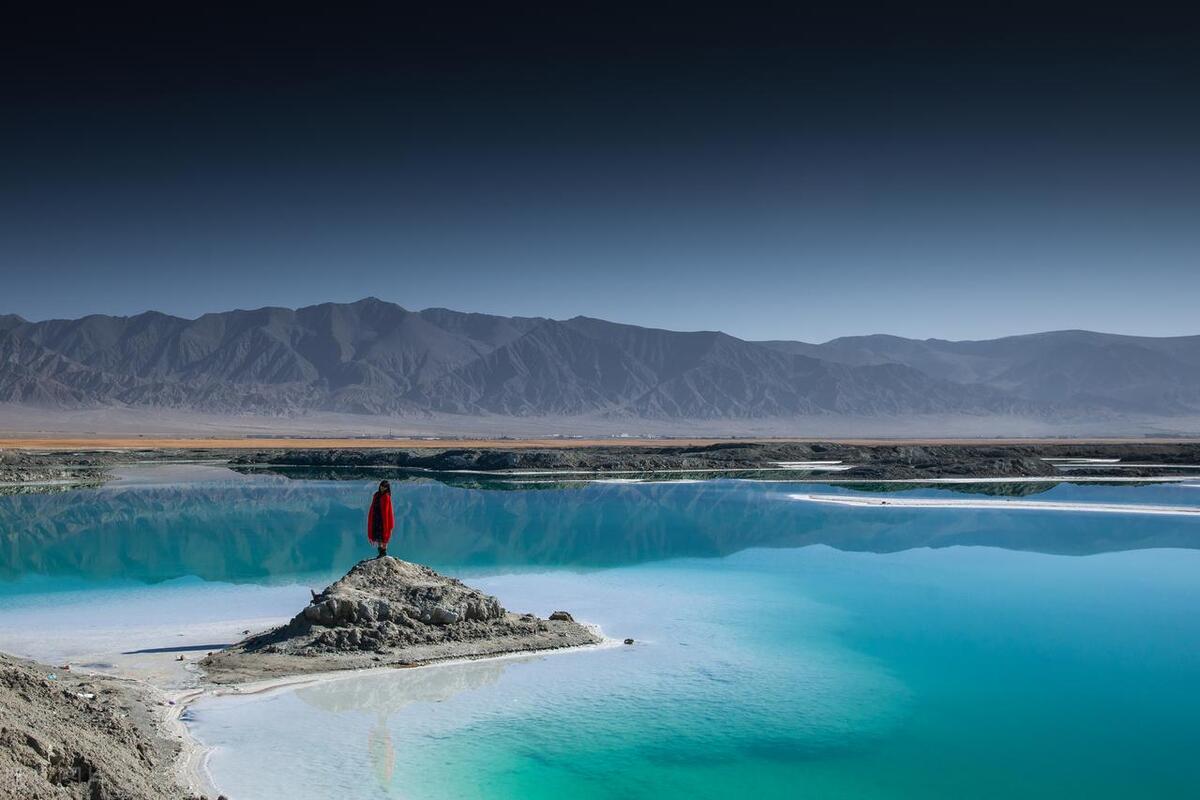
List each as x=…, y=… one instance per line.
x=785, y=649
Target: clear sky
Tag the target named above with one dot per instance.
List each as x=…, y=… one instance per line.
x=777, y=172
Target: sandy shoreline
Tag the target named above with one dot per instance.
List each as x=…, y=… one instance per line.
x=190, y=769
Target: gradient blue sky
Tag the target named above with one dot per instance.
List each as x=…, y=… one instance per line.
x=783, y=174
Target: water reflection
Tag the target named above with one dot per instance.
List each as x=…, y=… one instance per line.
x=262, y=528
x=392, y=691
x=385, y=694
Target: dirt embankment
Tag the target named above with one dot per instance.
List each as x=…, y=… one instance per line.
x=67, y=735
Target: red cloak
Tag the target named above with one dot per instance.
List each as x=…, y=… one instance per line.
x=379, y=519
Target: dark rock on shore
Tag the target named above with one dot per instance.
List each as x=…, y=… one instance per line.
x=388, y=612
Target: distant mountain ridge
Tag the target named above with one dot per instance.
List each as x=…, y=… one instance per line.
x=1067, y=369
x=374, y=357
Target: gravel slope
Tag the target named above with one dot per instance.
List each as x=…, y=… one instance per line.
x=82, y=736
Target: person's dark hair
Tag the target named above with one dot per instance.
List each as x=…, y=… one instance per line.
x=384, y=486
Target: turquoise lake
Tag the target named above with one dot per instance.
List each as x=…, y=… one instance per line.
x=784, y=649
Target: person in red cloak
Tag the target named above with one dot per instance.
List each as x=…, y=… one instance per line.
x=379, y=519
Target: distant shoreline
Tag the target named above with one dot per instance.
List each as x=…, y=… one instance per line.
x=101, y=442
x=92, y=460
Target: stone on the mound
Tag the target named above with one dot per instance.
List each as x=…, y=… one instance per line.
x=443, y=616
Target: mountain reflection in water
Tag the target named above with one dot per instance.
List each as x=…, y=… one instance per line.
x=264, y=527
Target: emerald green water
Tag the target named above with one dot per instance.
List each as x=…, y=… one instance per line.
x=784, y=649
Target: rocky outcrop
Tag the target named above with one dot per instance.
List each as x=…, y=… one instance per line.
x=388, y=602
x=388, y=612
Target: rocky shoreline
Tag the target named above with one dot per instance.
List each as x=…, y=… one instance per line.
x=65, y=734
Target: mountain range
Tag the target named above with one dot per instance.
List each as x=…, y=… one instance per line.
x=377, y=358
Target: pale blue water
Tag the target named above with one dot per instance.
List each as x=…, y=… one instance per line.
x=785, y=649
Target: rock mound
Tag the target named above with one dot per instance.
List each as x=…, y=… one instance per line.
x=388, y=612
x=387, y=600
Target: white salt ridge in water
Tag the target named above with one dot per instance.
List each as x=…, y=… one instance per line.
x=814, y=466
x=1073, y=460
x=1026, y=505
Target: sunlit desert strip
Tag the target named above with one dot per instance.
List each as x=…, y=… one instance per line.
x=1026, y=505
